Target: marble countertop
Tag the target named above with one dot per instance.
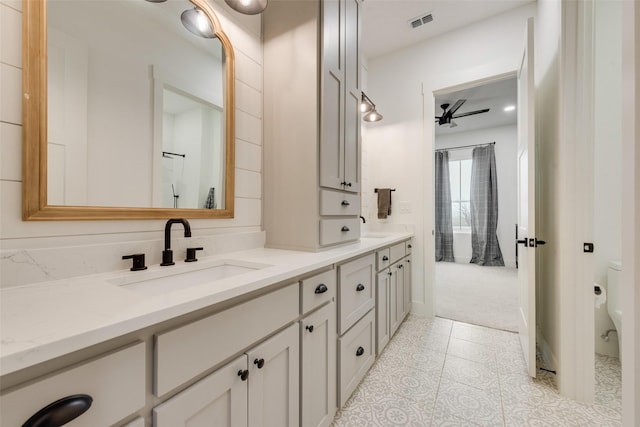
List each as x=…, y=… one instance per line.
x=46, y=320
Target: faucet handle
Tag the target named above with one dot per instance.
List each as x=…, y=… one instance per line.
x=138, y=261
x=191, y=254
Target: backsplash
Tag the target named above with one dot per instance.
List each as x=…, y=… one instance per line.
x=38, y=251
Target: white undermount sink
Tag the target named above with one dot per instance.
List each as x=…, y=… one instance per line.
x=175, y=278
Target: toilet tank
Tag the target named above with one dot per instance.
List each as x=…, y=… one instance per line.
x=613, y=283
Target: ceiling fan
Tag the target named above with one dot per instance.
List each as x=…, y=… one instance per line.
x=448, y=115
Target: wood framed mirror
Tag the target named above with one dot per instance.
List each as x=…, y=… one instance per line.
x=126, y=119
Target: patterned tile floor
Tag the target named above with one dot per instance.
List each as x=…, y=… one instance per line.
x=439, y=372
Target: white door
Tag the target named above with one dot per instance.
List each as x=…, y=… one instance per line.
x=319, y=370
x=526, y=204
x=274, y=380
x=217, y=400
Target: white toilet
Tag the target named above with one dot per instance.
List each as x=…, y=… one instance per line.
x=613, y=300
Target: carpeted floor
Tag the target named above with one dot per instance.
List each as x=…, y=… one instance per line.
x=486, y=296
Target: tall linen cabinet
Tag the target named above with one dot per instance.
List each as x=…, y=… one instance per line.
x=311, y=123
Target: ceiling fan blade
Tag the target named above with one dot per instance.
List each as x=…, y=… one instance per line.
x=457, y=105
x=470, y=113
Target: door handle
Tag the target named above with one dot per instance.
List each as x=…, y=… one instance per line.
x=524, y=241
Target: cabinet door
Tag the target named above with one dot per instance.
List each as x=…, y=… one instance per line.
x=392, y=302
x=352, y=115
x=333, y=92
x=274, y=380
x=398, y=310
x=217, y=400
x=383, y=332
x=319, y=367
x=407, y=286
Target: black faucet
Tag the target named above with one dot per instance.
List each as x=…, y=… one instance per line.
x=167, y=254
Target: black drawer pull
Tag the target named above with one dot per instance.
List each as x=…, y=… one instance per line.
x=390, y=274
x=409, y=246
x=385, y=258
x=61, y=411
x=360, y=287
x=400, y=266
x=243, y=374
x=309, y=328
x=359, y=351
x=345, y=203
x=321, y=289
x=259, y=363
x=344, y=228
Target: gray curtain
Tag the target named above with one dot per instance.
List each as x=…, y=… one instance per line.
x=484, y=208
x=444, y=226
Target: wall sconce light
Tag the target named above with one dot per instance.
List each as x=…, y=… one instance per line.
x=197, y=22
x=369, y=109
x=248, y=7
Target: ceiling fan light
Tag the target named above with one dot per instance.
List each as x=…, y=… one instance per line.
x=248, y=7
x=197, y=22
x=509, y=108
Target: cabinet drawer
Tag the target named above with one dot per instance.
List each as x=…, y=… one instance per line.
x=115, y=382
x=383, y=258
x=407, y=248
x=356, y=354
x=337, y=203
x=339, y=230
x=356, y=291
x=396, y=252
x=317, y=290
x=185, y=352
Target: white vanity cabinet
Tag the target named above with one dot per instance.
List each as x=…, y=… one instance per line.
x=258, y=389
x=115, y=382
x=393, y=287
x=311, y=123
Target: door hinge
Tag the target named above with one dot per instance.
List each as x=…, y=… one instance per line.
x=588, y=247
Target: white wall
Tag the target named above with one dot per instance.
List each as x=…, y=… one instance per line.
x=607, y=197
x=398, y=150
x=506, y=139
x=36, y=251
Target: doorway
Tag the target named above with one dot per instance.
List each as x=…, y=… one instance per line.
x=481, y=293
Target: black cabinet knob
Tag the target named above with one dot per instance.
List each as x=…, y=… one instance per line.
x=191, y=254
x=409, y=246
x=389, y=274
x=321, y=289
x=360, y=287
x=359, y=351
x=345, y=203
x=61, y=411
x=385, y=258
x=400, y=266
x=309, y=328
x=348, y=184
x=243, y=374
x=138, y=261
x=344, y=228
x=259, y=363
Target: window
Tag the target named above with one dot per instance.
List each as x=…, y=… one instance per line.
x=460, y=179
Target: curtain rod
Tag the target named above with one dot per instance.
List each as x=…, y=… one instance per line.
x=465, y=146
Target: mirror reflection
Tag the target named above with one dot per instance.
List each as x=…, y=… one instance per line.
x=136, y=107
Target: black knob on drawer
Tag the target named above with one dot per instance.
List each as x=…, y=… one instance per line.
x=360, y=287
x=348, y=184
x=389, y=273
x=385, y=258
x=321, y=289
x=344, y=228
x=400, y=266
x=359, y=351
x=309, y=328
x=61, y=411
x=409, y=246
x=243, y=374
x=345, y=203
x=259, y=363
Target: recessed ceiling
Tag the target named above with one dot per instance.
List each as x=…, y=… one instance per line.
x=495, y=96
x=386, y=23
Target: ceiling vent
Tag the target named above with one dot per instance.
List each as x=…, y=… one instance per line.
x=420, y=20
